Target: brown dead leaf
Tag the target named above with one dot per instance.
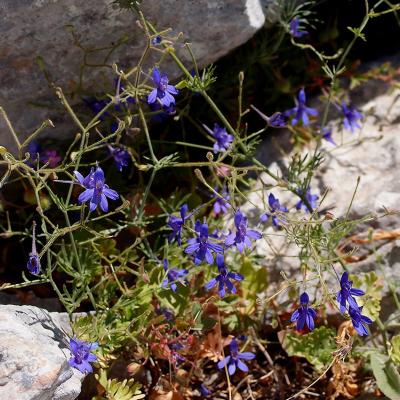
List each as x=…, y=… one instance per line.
x=376, y=235
x=158, y=394
x=344, y=383
x=213, y=344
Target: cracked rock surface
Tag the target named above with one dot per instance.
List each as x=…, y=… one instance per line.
x=34, y=354
x=32, y=29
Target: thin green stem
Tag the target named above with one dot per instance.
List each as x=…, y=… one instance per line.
x=10, y=127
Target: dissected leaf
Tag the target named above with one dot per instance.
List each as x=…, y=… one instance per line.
x=118, y=390
x=317, y=346
x=372, y=285
x=395, y=349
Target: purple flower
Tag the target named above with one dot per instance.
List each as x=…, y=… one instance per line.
x=173, y=275
x=221, y=205
x=120, y=155
x=168, y=314
x=222, y=139
x=351, y=116
x=96, y=106
x=311, y=198
x=175, y=356
x=81, y=354
x=295, y=29
x=204, y=390
x=51, y=157
x=274, y=206
x=33, y=263
x=276, y=120
x=201, y=247
x=163, y=91
x=33, y=149
x=223, y=278
x=346, y=293
x=234, y=360
x=120, y=89
x=243, y=236
x=176, y=224
x=359, y=321
x=327, y=135
x=48, y=156
x=301, y=111
x=96, y=190
x=156, y=40
x=304, y=314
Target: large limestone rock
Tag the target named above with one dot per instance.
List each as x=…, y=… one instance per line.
x=34, y=356
x=41, y=28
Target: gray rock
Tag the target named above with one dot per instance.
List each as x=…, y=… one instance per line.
x=34, y=356
x=30, y=29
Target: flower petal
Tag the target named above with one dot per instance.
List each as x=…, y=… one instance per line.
x=221, y=364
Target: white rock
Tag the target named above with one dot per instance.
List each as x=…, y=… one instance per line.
x=34, y=354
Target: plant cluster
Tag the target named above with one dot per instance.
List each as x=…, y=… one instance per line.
x=165, y=258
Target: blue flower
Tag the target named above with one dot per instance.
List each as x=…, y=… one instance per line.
x=47, y=156
x=243, y=236
x=351, y=116
x=200, y=246
x=223, y=278
x=173, y=275
x=96, y=190
x=204, y=390
x=295, y=29
x=96, y=106
x=221, y=205
x=81, y=355
x=175, y=357
x=276, y=120
x=327, y=135
x=163, y=91
x=33, y=264
x=222, y=139
x=359, y=321
x=234, y=360
x=156, y=40
x=176, y=224
x=304, y=314
x=120, y=155
x=301, y=111
x=311, y=198
x=168, y=314
x=34, y=149
x=346, y=293
x=275, y=207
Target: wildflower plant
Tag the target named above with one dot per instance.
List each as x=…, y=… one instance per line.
x=169, y=317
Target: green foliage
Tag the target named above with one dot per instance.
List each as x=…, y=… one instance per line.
x=133, y=5
x=118, y=390
x=372, y=285
x=256, y=279
x=357, y=32
x=317, y=346
x=386, y=375
x=395, y=349
x=199, y=83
